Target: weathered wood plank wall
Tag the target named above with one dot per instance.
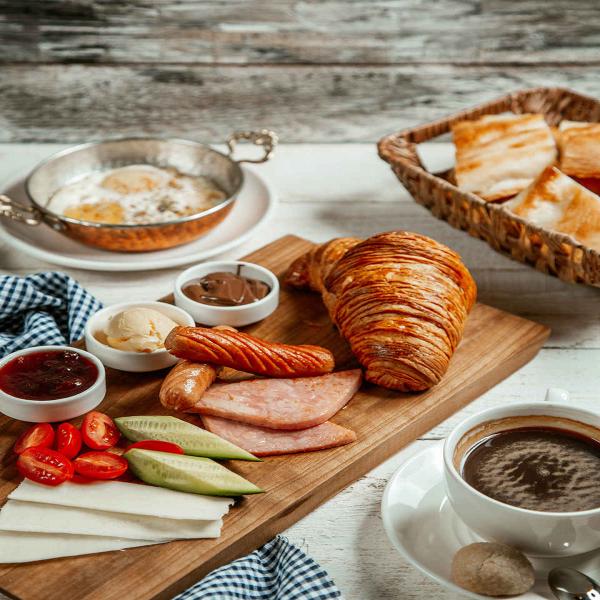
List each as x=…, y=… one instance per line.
x=327, y=70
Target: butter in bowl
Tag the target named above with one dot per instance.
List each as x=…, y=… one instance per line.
x=130, y=336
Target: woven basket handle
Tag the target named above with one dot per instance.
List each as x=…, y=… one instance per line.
x=265, y=138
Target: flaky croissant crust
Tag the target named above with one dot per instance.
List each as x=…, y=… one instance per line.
x=310, y=269
x=400, y=299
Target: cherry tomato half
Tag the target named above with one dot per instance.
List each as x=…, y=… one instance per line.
x=77, y=478
x=40, y=435
x=68, y=440
x=99, y=431
x=116, y=450
x=100, y=465
x=159, y=446
x=44, y=465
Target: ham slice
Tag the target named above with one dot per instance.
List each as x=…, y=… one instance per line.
x=281, y=403
x=261, y=441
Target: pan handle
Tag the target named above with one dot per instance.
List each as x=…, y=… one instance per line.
x=265, y=138
x=19, y=212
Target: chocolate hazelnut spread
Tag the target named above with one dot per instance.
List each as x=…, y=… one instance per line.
x=225, y=289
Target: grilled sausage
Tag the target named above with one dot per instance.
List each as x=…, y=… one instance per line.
x=184, y=385
x=247, y=353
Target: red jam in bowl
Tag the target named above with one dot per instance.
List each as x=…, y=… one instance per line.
x=47, y=375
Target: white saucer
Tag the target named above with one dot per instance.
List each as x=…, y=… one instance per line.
x=254, y=205
x=422, y=526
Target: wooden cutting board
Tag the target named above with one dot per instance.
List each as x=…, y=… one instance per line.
x=495, y=345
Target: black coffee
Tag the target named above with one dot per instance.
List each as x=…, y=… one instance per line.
x=538, y=468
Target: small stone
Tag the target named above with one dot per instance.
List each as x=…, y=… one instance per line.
x=492, y=569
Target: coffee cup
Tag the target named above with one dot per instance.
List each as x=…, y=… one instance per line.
x=538, y=532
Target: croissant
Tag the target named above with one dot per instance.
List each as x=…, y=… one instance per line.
x=400, y=299
x=310, y=269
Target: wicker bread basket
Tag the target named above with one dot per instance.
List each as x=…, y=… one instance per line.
x=547, y=251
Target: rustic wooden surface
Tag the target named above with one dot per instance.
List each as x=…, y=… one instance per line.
x=344, y=189
x=315, y=71
x=292, y=31
x=494, y=345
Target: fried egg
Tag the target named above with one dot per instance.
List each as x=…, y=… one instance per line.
x=135, y=194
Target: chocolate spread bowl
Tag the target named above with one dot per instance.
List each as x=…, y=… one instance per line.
x=234, y=316
x=191, y=158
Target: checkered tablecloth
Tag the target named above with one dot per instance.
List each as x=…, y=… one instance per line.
x=42, y=309
x=277, y=571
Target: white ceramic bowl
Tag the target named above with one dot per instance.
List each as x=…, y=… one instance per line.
x=49, y=411
x=534, y=532
x=235, y=316
x=129, y=360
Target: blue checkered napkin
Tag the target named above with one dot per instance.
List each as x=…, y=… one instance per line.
x=277, y=571
x=42, y=309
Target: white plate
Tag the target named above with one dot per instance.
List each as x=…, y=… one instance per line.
x=254, y=205
x=422, y=526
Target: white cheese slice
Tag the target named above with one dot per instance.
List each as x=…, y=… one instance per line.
x=52, y=518
x=130, y=498
x=19, y=547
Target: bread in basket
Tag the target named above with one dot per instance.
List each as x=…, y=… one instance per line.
x=548, y=251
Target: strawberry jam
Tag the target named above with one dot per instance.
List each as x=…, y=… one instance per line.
x=47, y=375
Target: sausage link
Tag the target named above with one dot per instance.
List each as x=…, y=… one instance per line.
x=184, y=385
x=247, y=353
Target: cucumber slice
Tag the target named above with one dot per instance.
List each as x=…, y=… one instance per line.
x=187, y=473
x=194, y=440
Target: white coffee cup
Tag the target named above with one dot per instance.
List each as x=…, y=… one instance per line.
x=537, y=533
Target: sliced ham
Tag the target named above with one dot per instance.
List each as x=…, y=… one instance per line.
x=261, y=441
x=281, y=403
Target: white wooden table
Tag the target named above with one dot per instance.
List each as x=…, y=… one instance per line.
x=329, y=190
